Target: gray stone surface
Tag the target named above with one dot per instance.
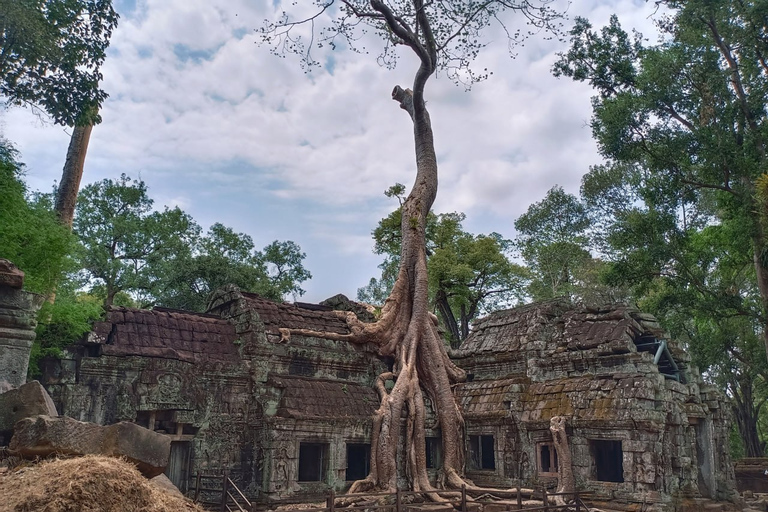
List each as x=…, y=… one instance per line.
x=41, y=436
x=164, y=484
x=18, y=310
x=31, y=399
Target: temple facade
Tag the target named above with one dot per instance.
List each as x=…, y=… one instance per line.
x=290, y=416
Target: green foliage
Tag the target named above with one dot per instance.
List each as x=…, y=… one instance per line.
x=469, y=275
x=553, y=241
x=62, y=324
x=123, y=240
x=223, y=257
x=30, y=235
x=52, y=53
x=132, y=255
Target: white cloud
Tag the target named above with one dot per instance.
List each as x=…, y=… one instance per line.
x=215, y=124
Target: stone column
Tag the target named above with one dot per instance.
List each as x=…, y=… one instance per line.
x=18, y=312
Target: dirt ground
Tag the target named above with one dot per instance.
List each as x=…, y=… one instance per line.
x=87, y=484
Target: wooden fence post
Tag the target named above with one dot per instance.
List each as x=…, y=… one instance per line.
x=463, y=497
x=224, y=490
x=331, y=501
x=519, y=498
x=398, y=500
x=197, y=487
x=578, y=502
x=546, y=500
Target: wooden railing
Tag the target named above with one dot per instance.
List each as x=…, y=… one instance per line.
x=232, y=499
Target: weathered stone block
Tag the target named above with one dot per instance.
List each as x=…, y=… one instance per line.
x=10, y=275
x=31, y=399
x=44, y=435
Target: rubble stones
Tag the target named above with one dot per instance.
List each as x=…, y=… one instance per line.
x=41, y=436
x=31, y=399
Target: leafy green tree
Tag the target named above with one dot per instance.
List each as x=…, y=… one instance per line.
x=284, y=268
x=123, y=240
x=30, y=236
x=469, y=275
x=223, y=257
x=51, y=52
x=553, y=240
x=63, y=323
x=689, y=111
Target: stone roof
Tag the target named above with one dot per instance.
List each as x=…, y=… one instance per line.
x=277, y=315
x=559, y=325
x=304, y=398
x=167, y=333
x=628, y=398
x=489, y=398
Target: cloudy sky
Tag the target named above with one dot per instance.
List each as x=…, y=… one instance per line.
x=217, y=125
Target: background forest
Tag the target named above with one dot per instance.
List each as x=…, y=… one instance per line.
x=673, y=220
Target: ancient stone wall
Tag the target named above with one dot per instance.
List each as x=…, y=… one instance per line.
x=18, y=317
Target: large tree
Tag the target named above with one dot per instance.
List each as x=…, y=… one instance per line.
x=30, y=235
x=221, y=257
x=441, y=34
x=123, y=240
x=682, y=124
x=51, y=52
x=690, y=111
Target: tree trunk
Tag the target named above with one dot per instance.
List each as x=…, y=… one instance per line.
x=746, y=415
x=441, y=301
x=407, y=331
x=565, y=481
x=66, y=195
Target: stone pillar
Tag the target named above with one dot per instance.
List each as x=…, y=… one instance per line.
x=18, y=312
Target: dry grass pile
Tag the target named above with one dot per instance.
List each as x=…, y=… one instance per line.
x=85, y=484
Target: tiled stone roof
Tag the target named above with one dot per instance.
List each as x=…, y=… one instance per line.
x=277, y=315
x=324, y=399
x=166, y=333
x=559, y=325
x=489, y=398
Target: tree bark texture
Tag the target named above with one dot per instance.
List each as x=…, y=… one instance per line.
x=66, y=196
x=565, y=481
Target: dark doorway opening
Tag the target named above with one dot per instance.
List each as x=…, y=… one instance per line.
x=312, y=462
x=481, y=454
x=434, y=452
x=177, y=470
x=547, y=459
x=608, y=460
x=358, y=461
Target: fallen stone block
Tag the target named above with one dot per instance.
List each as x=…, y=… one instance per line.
x=29, y=400
x=41, y=436
x=163, y=483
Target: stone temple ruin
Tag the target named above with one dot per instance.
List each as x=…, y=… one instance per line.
x=290, y=417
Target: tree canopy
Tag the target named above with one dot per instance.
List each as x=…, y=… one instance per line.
x=30, y=235
x=51, y=52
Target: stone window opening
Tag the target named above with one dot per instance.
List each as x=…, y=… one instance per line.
x=607, y=461
x=661, y=356
x=313, y=459
x=546, y=459
x=481, y=454
x=434, y=448
x=358, y=461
